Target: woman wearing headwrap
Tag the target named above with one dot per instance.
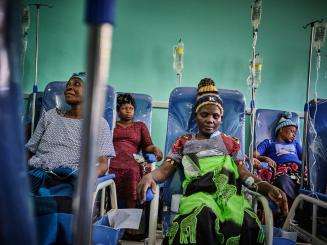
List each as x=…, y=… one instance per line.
x=212, y=209
x=129, y=138
x=57, y=138
x=55, y=152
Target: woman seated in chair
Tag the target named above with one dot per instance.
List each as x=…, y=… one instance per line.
x=212, y=209
x=129, y=138
x=55, y=155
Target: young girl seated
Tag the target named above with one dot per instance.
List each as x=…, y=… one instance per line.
x=129, y=138
x=282, y=155
x=212, y=209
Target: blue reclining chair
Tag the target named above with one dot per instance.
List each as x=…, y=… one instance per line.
x=317, y=161
x=53, y=97
x=143, y=113
x=265, y=124
x=181, y=120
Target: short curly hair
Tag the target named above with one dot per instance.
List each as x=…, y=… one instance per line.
x=125, y=99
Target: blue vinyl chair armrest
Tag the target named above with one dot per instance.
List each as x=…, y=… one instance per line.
x=103, y=182
x=150, y=157
x=105, y=177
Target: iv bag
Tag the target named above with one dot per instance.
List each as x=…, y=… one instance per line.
x=256, y=13
x=178, y=53
x=255, y=72
x=319, y=35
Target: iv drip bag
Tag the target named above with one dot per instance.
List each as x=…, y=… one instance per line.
x=256, y=13
x=319, y=35
x=178, y=55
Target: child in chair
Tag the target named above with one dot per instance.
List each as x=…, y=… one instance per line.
x=281, y=158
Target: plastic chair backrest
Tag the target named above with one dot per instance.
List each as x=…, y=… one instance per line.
x=265, y=124
x=317, y=146
x=181, y=120
x=143, y=111
x=54, y=98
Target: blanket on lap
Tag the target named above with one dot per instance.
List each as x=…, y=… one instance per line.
x=52, y=193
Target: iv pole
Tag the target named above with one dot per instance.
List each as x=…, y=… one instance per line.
x=306, y=108
x=36, y=61
x=253, y=94
x=255, y=19
x=100, y=20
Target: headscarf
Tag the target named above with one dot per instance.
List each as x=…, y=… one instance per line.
x=207, y=93
x=284, y=121
x=80, y=75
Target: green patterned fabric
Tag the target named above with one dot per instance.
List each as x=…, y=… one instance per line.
x=226, y=202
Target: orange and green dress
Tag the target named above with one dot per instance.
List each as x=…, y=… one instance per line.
x=213, y=209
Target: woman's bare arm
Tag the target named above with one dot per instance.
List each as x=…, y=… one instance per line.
x=274, y=193
x=102, y=167
x=158, y=175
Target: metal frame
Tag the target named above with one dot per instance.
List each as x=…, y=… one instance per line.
x=153, y=219
x=290, y=225
x=113, y=195
x=306, y=112
x=253, y=97
x=36, y=58
x=99, y=50
x=268, y=215
x=36, y=79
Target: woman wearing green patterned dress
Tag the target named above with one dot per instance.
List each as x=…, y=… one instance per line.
x=212, y=209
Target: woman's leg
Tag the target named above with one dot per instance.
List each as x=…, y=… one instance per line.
x=130, y=203
x=286, y=184
x=204, y=226
x=126, y=181
x=251, y=232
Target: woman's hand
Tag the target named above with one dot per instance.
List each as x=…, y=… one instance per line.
x=102, y=166
x=157, y=152
x=146, y=182
x=279, y=197
x=270, y=162
x=166, y=169
x=275, y=194
x=256, y=163
x=154, y=150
